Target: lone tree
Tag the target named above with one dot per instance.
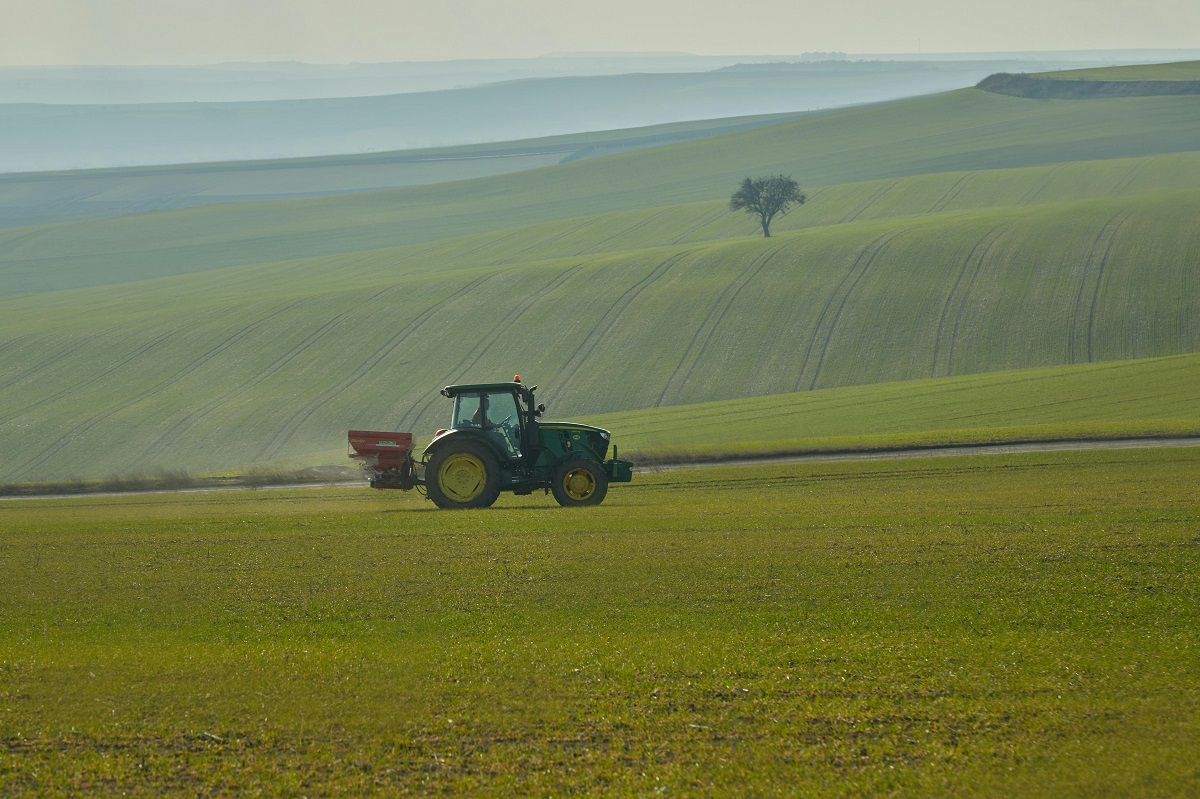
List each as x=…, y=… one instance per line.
x=766, y=197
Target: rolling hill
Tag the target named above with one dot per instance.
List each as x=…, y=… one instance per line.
x=953, y=235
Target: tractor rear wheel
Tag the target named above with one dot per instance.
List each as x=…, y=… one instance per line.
x=462, y=474
x=578, y=482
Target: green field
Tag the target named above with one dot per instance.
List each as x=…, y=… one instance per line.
x=1183, y=70
x=952, y=235
x=1016, y=625
x=1122, y=399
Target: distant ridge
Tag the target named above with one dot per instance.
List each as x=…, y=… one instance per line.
x=1035, y=88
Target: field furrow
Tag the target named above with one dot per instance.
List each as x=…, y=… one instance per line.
x=1091, y=268
x=972, y=265
x=170, y=437
x=477, y=348
x=79, y=430
x=831, y=311
x=712, y=321
x=608, y=320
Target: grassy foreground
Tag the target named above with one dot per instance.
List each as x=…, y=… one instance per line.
x=1022, y=625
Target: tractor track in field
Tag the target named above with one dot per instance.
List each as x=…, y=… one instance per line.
x=180, y=427
x=1040, y=186
x=947, y=450
x=543, y=242
x=297, y=419
x=1127, y=181
x=624, y=234
x=179, y=374
x=724, y=302
x=506, y=323
x=862, y=264
x=608, y=320
x=1096, y=262
x=703, y=223
x=862, y=208
x=44, y=362
x=991, y=237
x=12, y=342
x=126, y=358
x=952, y=194
x=832, y=456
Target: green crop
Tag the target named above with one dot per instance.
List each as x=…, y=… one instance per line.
x=944, y=236
x=1018, y=625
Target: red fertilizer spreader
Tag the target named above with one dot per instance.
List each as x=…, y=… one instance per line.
x=387, y=456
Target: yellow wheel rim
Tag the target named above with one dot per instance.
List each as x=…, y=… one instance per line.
x=462, y=477
x=579, y=484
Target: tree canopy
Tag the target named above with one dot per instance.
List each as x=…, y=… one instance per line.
x=766, y=197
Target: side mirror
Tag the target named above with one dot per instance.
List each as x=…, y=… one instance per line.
x=541, y=408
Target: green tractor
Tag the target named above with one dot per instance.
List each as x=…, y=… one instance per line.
x=495, y=443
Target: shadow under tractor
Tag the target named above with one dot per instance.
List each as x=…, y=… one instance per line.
x=495, y=443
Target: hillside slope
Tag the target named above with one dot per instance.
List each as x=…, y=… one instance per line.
x=201, y=371
x=969, y=130
x=263, y=331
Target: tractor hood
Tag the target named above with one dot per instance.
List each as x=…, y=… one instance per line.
x=597, y=437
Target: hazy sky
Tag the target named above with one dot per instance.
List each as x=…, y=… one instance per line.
x=208, y=31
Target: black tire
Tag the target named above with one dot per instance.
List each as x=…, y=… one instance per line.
x=462, y=474
x=579, y=482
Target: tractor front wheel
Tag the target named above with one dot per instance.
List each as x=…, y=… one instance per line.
x=462, y=474
x=579, y=482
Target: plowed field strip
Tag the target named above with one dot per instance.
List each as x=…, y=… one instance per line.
x=1091, y=325
x=863, y=262
x=984, y=243
x=168, y=438
x=951, y=195
x=74, y=388
x=49, y=451
x=861, y=209
x=609, y=319
x=713, y=320
x=1076, y=344
x=490, y=338
x=1041, y=185
x=292, y=424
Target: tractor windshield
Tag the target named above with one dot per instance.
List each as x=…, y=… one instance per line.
x=495, y=413
x=467, y=411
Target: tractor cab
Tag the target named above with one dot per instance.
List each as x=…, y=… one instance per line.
x=502, y=413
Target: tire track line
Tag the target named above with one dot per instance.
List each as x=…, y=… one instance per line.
x=861, y=265
x=952, y=195
x=49, y=451
x=129, y=356
x=1091, y=327
x=43, y=363
x=1041, y=185
x=861, y=209
x=728, y=296
x=999, y=232
x=468, y=362
x=705, y=222
x=1127, y=181
x=608, y=319
x=285, y=432
x=187, y=422
x=632, y=229
x=1104, y=237
x=966, y=267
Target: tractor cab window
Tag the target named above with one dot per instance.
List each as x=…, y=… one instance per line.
x=502, y=422
x=467, y=411
x=493, y=413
